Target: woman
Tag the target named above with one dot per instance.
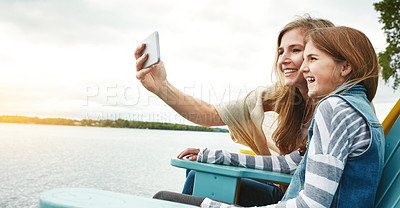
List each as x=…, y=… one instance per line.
x=344, y=159
x=288, y=98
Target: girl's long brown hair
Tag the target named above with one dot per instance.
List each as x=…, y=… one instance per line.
x=293, y=110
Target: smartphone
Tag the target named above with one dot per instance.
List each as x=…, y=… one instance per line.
x=152, y=48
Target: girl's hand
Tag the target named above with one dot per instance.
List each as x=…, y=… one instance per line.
x=189, y=153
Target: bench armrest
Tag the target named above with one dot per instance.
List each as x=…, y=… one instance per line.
x=233, y=171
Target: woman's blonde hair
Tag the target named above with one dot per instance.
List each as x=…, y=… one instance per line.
x=293, y=110
x=353, y=46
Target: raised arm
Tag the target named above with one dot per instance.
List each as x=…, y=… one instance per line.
x=154, y=79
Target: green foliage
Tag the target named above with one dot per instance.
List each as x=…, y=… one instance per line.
x=120, y=123
x=390, y=58
x=36, y=120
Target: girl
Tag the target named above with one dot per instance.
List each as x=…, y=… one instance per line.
x=344, y=159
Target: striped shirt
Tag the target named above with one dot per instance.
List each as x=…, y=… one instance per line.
x=339, y=133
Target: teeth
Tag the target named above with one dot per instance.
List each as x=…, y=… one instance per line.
x=289, y=70
x=310, y=79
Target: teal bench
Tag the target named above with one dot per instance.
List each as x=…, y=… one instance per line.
x=388, y=194
x=93, y=198
x=222, y=182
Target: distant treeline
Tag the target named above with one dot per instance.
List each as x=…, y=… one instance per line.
x=120, y=123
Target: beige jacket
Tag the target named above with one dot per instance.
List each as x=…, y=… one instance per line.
x=247, y=122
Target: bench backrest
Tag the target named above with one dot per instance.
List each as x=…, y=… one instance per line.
x=388, y=194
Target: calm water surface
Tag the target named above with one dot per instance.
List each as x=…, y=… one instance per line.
x=36, y=158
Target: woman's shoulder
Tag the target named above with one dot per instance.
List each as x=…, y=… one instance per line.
x=266, y=89
x=261, y=93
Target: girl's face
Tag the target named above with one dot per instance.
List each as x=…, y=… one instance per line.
x=322, y=73
x=291, y=57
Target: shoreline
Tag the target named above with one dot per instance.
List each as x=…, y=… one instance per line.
x=119, y=123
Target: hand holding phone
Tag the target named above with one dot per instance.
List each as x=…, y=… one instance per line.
x=152, y=49
x=153, y=77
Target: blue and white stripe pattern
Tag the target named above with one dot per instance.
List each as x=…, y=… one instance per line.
x=339, y=133
x=283, y=164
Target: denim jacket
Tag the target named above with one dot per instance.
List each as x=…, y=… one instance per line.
x=361, y=175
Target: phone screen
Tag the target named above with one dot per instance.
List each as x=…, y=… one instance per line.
x=152, y=48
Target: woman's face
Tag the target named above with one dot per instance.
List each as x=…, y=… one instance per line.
x=291, y=57
x=322, y=73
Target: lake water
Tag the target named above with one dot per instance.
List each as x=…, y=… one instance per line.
x=36, y=158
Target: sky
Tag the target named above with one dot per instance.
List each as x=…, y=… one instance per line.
x=75, y=58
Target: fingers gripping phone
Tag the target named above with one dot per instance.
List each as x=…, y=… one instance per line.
x=152, y=48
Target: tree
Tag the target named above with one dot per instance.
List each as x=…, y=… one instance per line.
x=390, y=58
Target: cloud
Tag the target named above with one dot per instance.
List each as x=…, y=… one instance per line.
x=76, y=22
x=52, y=51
